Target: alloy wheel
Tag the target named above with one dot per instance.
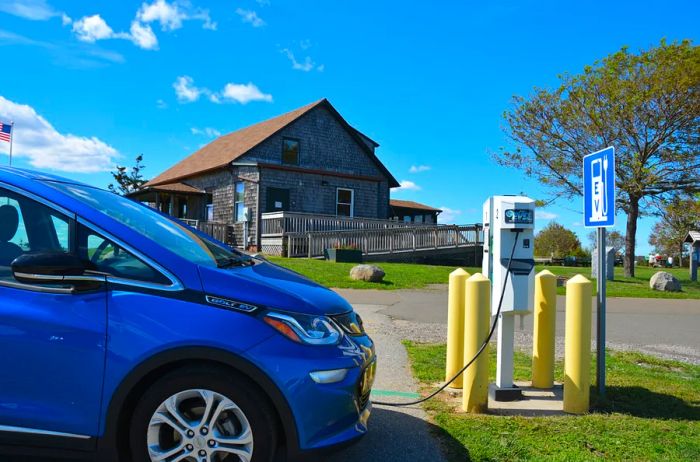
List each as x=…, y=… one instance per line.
x=199, y=426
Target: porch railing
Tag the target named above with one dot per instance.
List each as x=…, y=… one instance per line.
x=220, y=231
x=385, y=241
x=283, y=223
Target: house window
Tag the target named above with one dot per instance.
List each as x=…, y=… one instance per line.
x=419, y=219
x=238, y=201
x=345, y=201
x=290, y=151
x=181, y=207
x=407, y=218
x=210, y=207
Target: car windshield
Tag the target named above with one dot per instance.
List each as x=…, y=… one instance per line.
x=168, y=233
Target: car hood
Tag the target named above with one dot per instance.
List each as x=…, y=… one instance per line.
x=267, y=285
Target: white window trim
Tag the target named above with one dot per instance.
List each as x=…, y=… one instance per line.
x=236, y=218
x=352, y=201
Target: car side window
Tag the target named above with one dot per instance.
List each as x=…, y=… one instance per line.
x=107, y=257
x=28, y=226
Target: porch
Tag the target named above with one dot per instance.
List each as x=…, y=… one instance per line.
x=293, y=234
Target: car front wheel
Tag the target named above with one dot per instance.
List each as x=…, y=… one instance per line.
x=203, y=415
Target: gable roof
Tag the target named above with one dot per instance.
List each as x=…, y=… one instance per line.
x=225, y=149
x=412, y=205
x=692, y=237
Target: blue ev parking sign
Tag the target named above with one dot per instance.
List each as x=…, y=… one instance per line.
x=599, y=188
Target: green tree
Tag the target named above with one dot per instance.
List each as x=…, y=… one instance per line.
x=556, y=241
x=646, y=105
x=127, y=180
x=679, y=215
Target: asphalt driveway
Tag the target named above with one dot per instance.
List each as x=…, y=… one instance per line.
x=663, y=327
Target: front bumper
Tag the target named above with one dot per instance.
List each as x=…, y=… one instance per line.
x=325, y=414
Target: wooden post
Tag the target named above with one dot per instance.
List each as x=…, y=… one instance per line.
x=308, y=244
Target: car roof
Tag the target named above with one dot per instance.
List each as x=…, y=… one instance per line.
x=35, y=175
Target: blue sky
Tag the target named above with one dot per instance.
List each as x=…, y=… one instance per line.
x=93, y=83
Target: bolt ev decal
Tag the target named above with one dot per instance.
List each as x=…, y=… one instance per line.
x=231, y=304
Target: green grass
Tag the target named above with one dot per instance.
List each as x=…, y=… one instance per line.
x=414, y=276
x=638, y=286
x=398, y=275
x=652, y=412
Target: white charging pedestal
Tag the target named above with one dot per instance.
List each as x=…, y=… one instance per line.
x=506, y=217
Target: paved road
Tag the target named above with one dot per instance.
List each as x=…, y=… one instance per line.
x=658, y=326
x=395, y=434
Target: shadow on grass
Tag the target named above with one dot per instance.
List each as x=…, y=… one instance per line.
x=642, y=402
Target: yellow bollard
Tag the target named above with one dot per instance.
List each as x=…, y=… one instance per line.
x=544, y=330
x=455, y=327
x=577, y=350
x=476, y=328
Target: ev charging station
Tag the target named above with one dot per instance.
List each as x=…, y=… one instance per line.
x=509, y=225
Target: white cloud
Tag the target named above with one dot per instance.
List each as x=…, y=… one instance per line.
x=92, y=28
x=419, y=168
x=142, y=35
x=244, y=93
x=306, y=65
x=160, y=104
x=250, y=17
x=407, y=185
x=448, y=215
x=170, y=16
x=185, y=90
x=35, y=10
x=44, y=147
x=167, y=14
x=206, y=131
x=65, y=19
x=542, y=215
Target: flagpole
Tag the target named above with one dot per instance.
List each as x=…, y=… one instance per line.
x=12, y=138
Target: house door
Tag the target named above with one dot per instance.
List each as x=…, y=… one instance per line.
x=277, y=200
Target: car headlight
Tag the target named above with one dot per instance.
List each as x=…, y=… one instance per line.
x=302, y=328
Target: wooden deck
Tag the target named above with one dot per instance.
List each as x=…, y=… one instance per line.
x=384, y=241
x=301, y=235
x=306, y=235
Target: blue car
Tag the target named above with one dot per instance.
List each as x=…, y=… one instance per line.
x=128, y=336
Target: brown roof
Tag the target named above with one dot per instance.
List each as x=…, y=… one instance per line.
x=174, y=187
x=225, y=149
x=412, y=205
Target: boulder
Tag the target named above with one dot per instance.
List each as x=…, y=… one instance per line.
x=369, y=273
x=664, y=281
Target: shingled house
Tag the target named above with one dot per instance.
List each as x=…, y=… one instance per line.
x=309, y=160
x=412, y=212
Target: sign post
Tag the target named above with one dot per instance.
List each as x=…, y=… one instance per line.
x=599, y=213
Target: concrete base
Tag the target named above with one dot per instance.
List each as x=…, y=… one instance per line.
x=534, y=402
x=505, y=394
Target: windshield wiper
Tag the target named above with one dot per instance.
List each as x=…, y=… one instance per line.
x=232, y=261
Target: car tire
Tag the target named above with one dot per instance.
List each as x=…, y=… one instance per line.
x=184, y=396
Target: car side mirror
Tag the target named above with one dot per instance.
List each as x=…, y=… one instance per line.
x=58, y=268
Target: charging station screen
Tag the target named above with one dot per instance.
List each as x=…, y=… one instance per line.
x=519, y=216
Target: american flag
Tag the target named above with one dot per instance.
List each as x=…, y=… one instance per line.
x=5, y=132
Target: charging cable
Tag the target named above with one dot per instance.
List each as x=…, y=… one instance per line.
x=481, y=349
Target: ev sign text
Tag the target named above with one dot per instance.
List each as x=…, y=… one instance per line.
x=599, y=188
